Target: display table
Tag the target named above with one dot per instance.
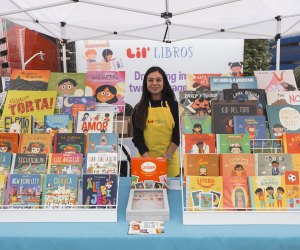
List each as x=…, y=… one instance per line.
x=90, y=236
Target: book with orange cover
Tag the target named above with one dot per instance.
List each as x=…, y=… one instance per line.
x=291, y=143
x=237, y=165
x=148, y=173
x=201, y=164
x=9, y=142
x=292, y=189
x=199, y=143
x=35, y=143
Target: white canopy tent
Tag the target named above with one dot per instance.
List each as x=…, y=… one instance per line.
x=158, y=20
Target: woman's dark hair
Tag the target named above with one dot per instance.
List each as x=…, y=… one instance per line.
x=167, y=94
x=106, y=53
x=111, y=89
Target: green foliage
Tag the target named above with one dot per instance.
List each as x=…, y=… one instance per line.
x=297, y=75
x=256, y=55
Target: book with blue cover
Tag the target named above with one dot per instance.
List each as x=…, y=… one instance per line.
x=57, y=124
x=5, y=162
x=230, y=82
x=102, y=142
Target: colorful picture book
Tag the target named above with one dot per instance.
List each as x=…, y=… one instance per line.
x=199, y=143
x=292, y=189
x=3, y=178
x=29, y=164
x=57, y=124
x=233, y=143
x=276, y=80
x=72, y=104
x=69, y=143
x=100, y=190
x=29, y=79
x=196, y=124
x=101, y=163
x=283, y=98
x=63, y=163
x=9, y=142
x=291, y=143
x=18, y=124
x=237, y=165
x=35, y=144
x=24, y=190
x=148, y=173
x=198, y=82
x=5, y=162
x=60, y=190
x=201, y=164
x=146, y=227
x=267, y=192
x=102, y=142
x=95, y=121
x=230, y=82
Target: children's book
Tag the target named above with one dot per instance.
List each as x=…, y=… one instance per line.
x=283, y=119
x=35, y=144
x=60, y=190
x=24, y=190
x=236, y=192
x=223, y=112
x=101, y=163
x=72, y=104
x=276, y=80
x=3, y=178
x=5, y=162
x=9, y=142
x=204, y=192
x=199, y=82
x=63, y=163
x=283, y=98
x=273, y=164
x=54, y=124
x=148, y=173
x=292, y=189
x=69, y=143
x=95, y=121
x=196, y=103
x=291, y=143
x=102, y=142
x=296, y=162
x=255, y=126
x=199, y=143
x=18, y=124
x=146, y=227
x=267, y=192
x=201, y=164
x=233, y=143
x=29, y=79
x=108, y=87
x=237, y=165
x=230, y=82
x=196, y=124
x=100, y=190
x=248, y=94
x=29, y=164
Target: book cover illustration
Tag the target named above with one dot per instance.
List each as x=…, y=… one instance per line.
x=26, y=103
x=54, y=124
x=233, y=143
x=248, y=94
x=209, y=190
x=29, y=80
x=148, y=173
x=267, y=192
x=229, y=82
x=276, y=80
x=18, y=124
x=108, y=87
x=237, y=165
x=199, y=82
x=69, y=143
x=3, y=178
x=296, y=162
x=292, y=189
x=255, y=126
x=291, y=143
x=196, y=124
x=100, y=190
x=63, y=163
x=72, y=104
x=5, y=162
x=35, y=144
x=199, y=143
x=9, y=142
x=101, y=163
x=201, y=164
x=273, y=164
x=24, y=190
x=196, y=103
x=95, y=121
x=236, y=192
x=283, y=119
x=283, y=98
x=146, y=227
x=223, y=112
x=60, y=190
x=102, y=142
x=29, y=164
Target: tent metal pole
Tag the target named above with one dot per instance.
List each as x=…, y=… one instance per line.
x=277, y=39
x=64, y=57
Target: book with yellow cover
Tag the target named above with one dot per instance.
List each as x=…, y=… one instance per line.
x=2, y=187
x=35, y=144
x=204, y=192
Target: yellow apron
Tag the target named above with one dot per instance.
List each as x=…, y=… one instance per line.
x=158, y=135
